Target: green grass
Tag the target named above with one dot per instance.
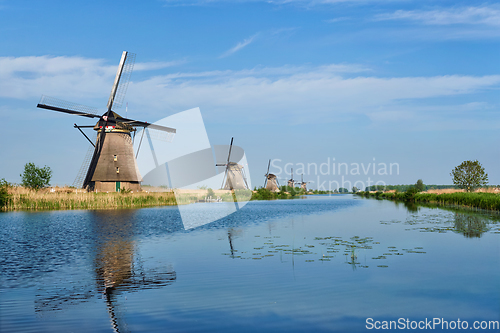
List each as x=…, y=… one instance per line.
x=489, y=201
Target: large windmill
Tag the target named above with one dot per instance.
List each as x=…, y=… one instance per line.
x=113, y=165
x=233, y=174
x=271, y=182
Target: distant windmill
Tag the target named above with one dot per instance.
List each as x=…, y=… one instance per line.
x=291, y=182
x=271, y=182
x=233, y=174
x=303, y=184
x=113, y=165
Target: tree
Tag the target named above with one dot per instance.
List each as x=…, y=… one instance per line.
x=355, y=189
x=420, y=185
x=469, y=175
x=34, y=177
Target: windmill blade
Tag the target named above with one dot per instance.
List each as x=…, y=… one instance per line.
x=120, y=85
x=165, y=136
x=223, y=178
x=95, y=157
x=230, y=147
x=267, y=173
x=227, y=164
x=128, y=66
x=80, y=177
x=55, y=104
x=138, y=123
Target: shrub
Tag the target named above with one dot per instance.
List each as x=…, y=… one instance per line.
x=4, y=192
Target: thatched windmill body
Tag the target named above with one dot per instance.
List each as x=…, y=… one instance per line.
x=234, y=176
x=271, y=182
x=291, y=182
x=113, y=165
x=303, y=184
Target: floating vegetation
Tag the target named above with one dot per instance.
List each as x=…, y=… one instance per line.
x=327, y=248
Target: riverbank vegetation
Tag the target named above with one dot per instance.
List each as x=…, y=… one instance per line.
x=285, y=192
x=21, y=198
x=481, y=200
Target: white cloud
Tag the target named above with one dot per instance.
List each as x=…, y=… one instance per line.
x=485, y=15
x=65, y=77
x=239, y=46
x=303, y=95
x=287, y=94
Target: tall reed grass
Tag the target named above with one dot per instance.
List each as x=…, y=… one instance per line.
x=481, y=200
x=26, y=199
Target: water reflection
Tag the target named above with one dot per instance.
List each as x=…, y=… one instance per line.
x=117, y=265
x=471, y=225
x=231, y=232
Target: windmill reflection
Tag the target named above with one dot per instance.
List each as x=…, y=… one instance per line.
x=118, y=268
x=471, y=226
x=232, y=233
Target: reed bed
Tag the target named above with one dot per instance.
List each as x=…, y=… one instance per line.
x=25, y=199
x=481, y=200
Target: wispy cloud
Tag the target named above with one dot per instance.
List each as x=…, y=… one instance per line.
x=272, y=2
x=66, y=77
x=239, y=46
x=337, y=19
x=313, y=94
x=484, y=15
x=297, y=94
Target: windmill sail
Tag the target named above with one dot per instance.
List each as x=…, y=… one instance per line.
x=55, y=104
x=127, y=68
x=80, y=177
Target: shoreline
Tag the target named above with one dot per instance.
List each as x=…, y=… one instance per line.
x=479, y=200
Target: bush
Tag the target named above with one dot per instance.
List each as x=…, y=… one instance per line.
x=410, y=193
x=4, y=192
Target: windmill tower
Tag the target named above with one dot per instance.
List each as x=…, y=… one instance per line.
x=271, y=182
x=291, y=182
x=303, y=184
x=234, y=174
x=113, y=165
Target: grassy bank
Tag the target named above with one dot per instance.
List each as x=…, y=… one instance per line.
x=489, y=201
x=24, y=199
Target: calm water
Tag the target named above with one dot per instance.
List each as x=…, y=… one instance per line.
x=317, y=264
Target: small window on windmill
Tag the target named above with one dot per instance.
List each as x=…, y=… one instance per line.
x=115, y=158
x=117, y=170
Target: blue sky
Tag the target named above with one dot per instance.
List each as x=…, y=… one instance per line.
x=302, y=81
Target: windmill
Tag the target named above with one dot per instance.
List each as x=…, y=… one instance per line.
x=291, y=182
x=303, y=184
x=113, y=165
x=233, y=174
x=271, y=182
